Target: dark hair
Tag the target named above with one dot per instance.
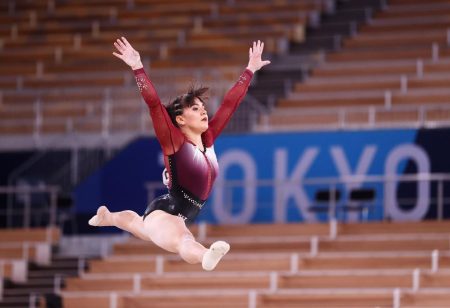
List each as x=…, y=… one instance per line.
x=176, y=107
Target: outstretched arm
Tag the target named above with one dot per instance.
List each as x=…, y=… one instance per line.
x=132, y=58
x=168, y=135
x=236, y=94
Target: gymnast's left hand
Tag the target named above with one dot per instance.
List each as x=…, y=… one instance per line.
x=127, y=53
x=255, y=63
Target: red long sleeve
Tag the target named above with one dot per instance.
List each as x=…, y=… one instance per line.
x=169, y=136
x=229, y=105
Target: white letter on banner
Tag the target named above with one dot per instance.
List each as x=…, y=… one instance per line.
x=222, y=211
x=344, y=169
x=286, y=187
x=419, y=156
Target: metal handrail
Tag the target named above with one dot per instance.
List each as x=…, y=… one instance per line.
x=370, y=112
x=52, y=191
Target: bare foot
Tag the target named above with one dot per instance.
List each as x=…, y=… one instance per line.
x=100, y=220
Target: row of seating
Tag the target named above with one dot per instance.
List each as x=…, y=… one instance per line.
x=266, y=300
x=304, y=246
x=304, y=280
x=284, y=262
x=276, y=265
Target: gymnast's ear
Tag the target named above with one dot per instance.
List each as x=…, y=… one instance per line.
x=180, y=120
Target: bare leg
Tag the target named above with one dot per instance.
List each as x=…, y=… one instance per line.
x=178, y=239
x=167, y=231
x=126, y=220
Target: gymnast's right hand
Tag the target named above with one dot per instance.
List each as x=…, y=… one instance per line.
x=127, y=53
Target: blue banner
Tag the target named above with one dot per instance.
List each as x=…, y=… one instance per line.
x=276, y=168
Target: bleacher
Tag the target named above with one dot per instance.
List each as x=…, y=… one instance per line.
x=393, y=71
x=317, y=265
x=61, y=75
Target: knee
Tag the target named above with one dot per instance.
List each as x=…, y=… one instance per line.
x=130, y=214
x=186, y=245
x=186, y=237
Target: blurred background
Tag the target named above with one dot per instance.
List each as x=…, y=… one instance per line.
x=334, y=189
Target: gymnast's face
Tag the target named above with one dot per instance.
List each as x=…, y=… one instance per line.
x=194, y=117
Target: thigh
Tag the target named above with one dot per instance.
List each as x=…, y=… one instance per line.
x=137, y=227
x=166, y=230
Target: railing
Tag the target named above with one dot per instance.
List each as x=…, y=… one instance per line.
x=105, y=123
x=429, y=115
x=101, y=127
x=247, y=115
x=138, y=122
x=26, y=193
x=387, y=203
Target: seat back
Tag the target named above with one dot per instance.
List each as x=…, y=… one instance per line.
x=327, y=195
x=362, y=194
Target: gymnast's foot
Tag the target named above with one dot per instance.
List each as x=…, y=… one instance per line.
x=100, y=219
x=214, y=254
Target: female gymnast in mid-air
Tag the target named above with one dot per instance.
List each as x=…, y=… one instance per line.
x=186, y=137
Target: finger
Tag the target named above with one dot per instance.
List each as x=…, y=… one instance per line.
x=249, y=52
x=117, y=55
x=125, y=41
x=262, y=46
x=264, y=63
x=255, y=48
x=121, y=44
x=118, y=47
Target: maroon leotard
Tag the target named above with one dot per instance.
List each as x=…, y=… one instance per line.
x=191, y=171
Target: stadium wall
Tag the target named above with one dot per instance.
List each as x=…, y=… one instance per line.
x=280, y=172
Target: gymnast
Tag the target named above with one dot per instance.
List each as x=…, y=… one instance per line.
x=187, y=137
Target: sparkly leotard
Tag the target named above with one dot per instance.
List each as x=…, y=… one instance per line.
x=192, y=172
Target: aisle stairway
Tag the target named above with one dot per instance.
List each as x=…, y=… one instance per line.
x=31, y=268
x=333, y=26
x=393, y=71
